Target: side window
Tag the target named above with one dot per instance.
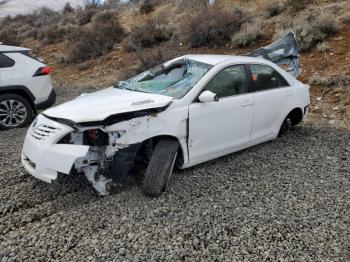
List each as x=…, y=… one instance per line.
x=6, y=61
x=265, y=77
x=228, y=82
x=281, y=82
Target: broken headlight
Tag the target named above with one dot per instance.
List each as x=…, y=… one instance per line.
x=96, y=137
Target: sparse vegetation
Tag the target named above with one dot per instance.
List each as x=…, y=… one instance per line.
x=151, y=32
x=312, y=29
x=96, y=38
x=323, y=47
x=346, y=19
x=273, y=9
x=147, y=6
x=67, y=8
x=249, y=33
x=191, y=4
x=297, y=5
x=336, y=80
x=213, y=29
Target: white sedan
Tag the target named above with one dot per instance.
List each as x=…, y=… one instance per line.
x=187, y=111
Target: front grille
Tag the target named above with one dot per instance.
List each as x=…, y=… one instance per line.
x=42, y=132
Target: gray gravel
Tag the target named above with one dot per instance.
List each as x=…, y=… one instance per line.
x=288, y=199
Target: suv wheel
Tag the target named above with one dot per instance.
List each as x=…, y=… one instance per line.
x=15, y=111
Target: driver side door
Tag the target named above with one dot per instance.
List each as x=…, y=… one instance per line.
x=219, y=128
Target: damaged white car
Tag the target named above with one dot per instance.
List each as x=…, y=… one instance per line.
x=184, y=112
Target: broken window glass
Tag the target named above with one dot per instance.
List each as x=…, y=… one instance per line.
x=174, y=80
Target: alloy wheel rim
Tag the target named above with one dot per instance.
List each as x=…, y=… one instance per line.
x=12, y=113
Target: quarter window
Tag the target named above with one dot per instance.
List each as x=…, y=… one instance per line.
x=228, y=82
x=265, y=77
x=6, y=61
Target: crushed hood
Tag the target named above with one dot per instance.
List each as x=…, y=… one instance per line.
x=100, y=105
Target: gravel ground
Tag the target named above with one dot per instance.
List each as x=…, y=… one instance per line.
x=288, y=199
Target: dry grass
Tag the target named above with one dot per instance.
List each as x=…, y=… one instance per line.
x=323, y=47
x=213, y=29
x=273, y=9
x=327, y=81
x=151, y=32
x=95, y=39
x=249, y=33
x=310, y=28
x=297, y=5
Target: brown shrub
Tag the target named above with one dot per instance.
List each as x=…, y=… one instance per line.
x=336, y=80
x=211, y=27
x=191, y=4
x=91, y=43
x=67, y=8
x=151, y=32
x=249, y=33
x=8, y=36
x=147, y=6
x=312, y=29
x=323, y=47
x=96, y=38
x=85, y=16
x=273, y=9
x=55, y=33
x=346, y=19
x=297, y=5
x=44, y=16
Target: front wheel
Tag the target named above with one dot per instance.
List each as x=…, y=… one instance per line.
x=160, y=167
x=15, y=111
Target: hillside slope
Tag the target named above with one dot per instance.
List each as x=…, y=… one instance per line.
x=325, y=65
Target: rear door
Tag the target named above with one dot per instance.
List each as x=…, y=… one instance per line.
x=271, y=95
x=218, y=128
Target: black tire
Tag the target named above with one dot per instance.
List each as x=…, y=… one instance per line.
x=25, y=114
x=160, y=167
x=286, y=125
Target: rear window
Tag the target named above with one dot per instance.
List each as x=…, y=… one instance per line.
x=265, y=78
x=5, y=61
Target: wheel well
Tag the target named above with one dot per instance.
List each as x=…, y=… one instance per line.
x=148, y=145
x=295, y=116
x=19, y=92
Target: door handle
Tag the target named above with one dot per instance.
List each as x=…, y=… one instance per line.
x=247, y=103
x=288, y=95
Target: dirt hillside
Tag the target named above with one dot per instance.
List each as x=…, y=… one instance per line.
x=329, y=67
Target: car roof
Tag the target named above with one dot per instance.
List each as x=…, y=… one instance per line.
x=216, y=59
x=8, y=48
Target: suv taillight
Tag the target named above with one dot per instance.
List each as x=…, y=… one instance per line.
x=43, y=71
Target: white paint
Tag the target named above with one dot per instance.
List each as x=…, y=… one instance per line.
x=215, y=128
x=22, y=74
x=101, y=104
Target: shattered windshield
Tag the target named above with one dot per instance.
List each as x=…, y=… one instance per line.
x=173, y=80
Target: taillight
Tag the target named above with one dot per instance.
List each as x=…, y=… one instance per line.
x=43, y=71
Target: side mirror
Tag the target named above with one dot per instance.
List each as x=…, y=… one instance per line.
x=208, y=96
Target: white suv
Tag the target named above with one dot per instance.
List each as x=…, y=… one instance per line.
x=25, y=87
x=184, y=112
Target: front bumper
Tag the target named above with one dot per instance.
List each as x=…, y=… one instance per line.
x=42, y=157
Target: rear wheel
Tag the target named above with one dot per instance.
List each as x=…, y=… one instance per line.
x=293, y=119
x=160, y=167
x=15, y=111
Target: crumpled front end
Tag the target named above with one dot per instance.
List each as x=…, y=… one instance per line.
x=52, y=147
x=43, y=156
